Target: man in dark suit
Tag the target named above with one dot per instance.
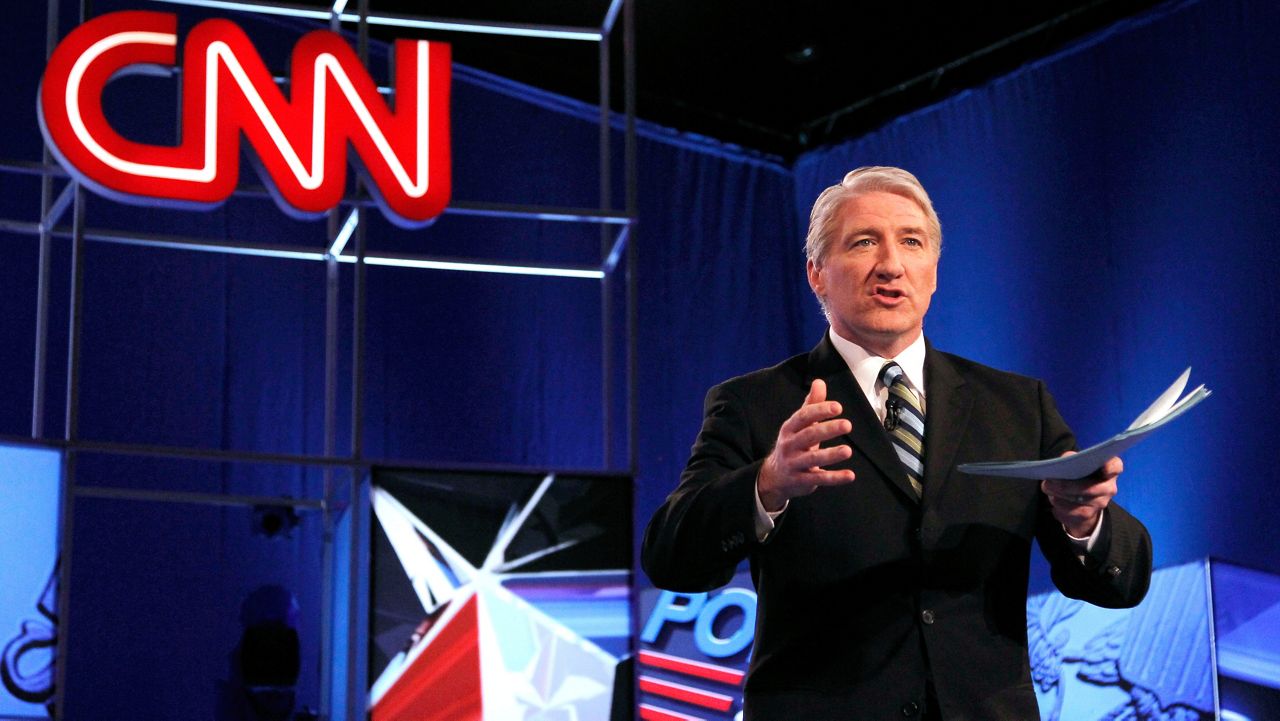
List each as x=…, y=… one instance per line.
x=890, y=585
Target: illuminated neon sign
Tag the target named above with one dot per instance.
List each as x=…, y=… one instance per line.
x=300, y=143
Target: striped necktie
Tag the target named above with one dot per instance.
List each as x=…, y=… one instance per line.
x=904, y=420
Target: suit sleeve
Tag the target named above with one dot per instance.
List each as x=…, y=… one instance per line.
x=1117, y=571
x=706, y=527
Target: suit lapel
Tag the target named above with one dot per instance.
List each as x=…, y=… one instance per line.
x=868, y=436
x=947, y=407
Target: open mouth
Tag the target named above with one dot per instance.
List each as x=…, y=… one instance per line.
x=883, y=292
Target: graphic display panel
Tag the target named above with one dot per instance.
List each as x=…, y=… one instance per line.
x=1152, y=661
x=1246, y=624
x=500, y=596
x=30, y=479
x=693, y=652
x=1202, y=645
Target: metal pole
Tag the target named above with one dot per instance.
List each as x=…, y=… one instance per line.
x=330, y=446
x=358, y=286
x=629, y=91
x=207, y=499
x=66, y=499
x=46, y=248
x=327, y=560
x=355, y=693
x=629, y=83
x=606, y=283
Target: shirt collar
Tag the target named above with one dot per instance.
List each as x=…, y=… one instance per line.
x=866, y=366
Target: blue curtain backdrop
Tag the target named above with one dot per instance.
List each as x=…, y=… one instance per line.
x=1106, y=213
x=1109, y=216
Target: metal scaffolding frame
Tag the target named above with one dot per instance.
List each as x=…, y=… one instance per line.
x=617, y=251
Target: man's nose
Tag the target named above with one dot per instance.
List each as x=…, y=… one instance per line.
x=888, y=263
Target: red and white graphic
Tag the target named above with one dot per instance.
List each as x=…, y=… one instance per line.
x=689, y=671
x=300, y=142
x=481, y=651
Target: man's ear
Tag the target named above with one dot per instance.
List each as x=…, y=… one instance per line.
x=815, y=277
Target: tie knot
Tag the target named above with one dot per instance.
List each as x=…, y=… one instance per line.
x=891, y=373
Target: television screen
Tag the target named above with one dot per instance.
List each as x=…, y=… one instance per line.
x=500, y=596
x=29, y=486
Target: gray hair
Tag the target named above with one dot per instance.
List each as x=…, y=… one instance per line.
x=867, y=179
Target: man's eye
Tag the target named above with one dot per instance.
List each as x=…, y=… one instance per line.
x=913, y=241
x=862, y=242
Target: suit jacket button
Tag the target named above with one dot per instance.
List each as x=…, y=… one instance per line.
x=927, y=616
x=910, y=708
x=1113, y=571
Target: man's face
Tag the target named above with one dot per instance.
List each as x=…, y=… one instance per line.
x=879, y=272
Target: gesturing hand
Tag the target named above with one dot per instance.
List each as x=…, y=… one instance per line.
x=1077, y=504
x=794, y=468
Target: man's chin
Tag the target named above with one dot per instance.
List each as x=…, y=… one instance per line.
x=881, y=335
x=889, y=326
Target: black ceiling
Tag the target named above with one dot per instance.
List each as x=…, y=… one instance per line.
x=776, y=76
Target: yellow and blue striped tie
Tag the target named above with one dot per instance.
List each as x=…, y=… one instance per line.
x=904, y=419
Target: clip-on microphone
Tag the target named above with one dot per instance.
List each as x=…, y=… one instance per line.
x=891, y=412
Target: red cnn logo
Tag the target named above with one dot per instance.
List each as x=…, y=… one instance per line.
x=300, y=142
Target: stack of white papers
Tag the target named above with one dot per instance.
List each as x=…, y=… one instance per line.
x=1167, y=407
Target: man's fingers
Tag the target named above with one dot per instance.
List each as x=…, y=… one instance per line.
x=1068, y=495
x=809, y=414
x=821, y=477
x=1112, y=468
x=1082, y=487
x=799, y=461
x=1071, y=502
x=815, y=408
x=816, y=433
x=818, y=457
x=817, y=392
x=795, y=467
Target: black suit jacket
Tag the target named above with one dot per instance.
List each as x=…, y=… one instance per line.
x=867, y=594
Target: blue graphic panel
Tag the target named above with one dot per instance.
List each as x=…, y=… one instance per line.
x=1246, y=620
x=1154, y=661
x=29, y=483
